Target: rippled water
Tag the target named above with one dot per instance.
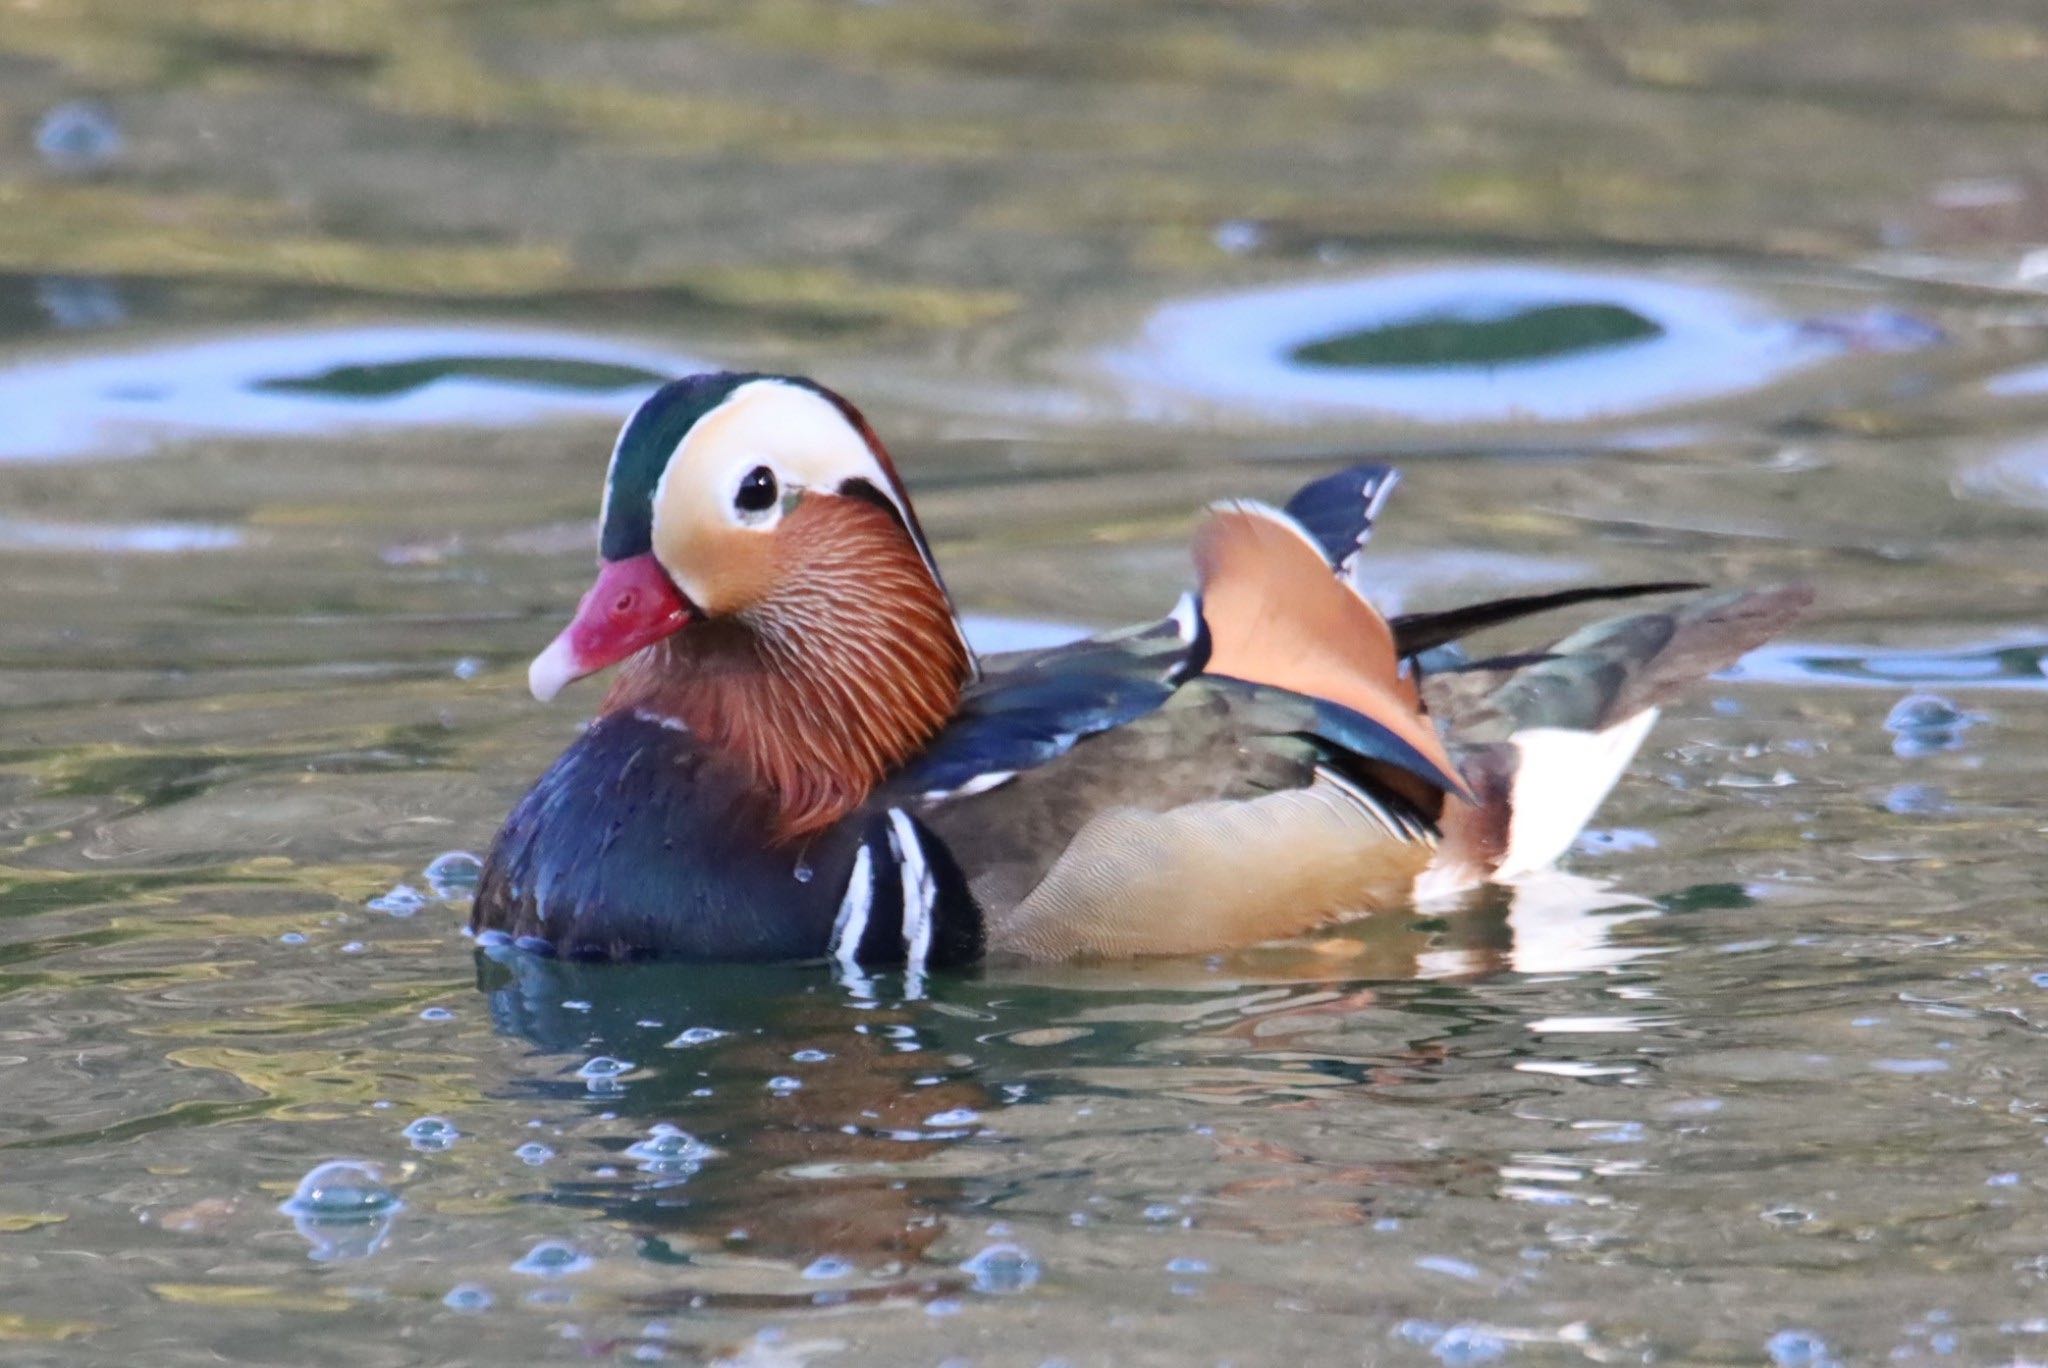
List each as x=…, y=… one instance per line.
x=312, y=338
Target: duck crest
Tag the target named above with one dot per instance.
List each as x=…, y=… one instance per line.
x=816, y=693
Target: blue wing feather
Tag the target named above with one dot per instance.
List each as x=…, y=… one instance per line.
x=1032, y=708
x=1338, y=510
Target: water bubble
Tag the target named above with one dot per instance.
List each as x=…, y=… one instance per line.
x=601, y=1073
x=72, y=302
x=468, y=667
x=670, y=1149
x=553, y=1259
x=1916, y=800
x=1161, y=1211
x=1797, y=1349
x=292, y=938
x=343, y=1190
x=1238, y=236
x=533, y=1154
x=467, y=1297
x=959, y=1116
x=810, y=1056
x=1002, y=1269
x=432, y=1134
x=575, y=1005
x=343, y=1209
x=783, y=1083
x=1454, y=1268
x=436, y=1014
x=355, y=948
x=402, y=901
x=696, y=1035
x=1187, y=1265
x=1464, y=1344
x=1924, y=723
x=2003, y=1180
x=828, y=1267
x=78, y=136
x=1614, y=841
x=453, y=874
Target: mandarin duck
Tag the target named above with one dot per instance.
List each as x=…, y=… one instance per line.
x=801, y=756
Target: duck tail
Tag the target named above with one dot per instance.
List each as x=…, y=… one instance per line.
x=1547, y=735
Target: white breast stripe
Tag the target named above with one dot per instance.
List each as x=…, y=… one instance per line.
x=919, y=892
x=852, y=921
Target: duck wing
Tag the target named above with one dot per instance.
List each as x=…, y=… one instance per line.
x=1267, y=770
x=1233, y=813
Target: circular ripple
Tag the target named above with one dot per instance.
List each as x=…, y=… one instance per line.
x=1469, y=344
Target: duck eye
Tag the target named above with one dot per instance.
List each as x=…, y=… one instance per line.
x=758, y=491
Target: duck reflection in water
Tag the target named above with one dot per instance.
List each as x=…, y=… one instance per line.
x=817, y=1103
x=792, y=1119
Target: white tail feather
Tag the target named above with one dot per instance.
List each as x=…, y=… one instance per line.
x=1560, y=779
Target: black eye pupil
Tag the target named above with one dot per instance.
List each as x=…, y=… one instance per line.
x=757, y=492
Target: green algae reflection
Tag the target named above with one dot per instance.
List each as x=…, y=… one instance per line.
x=402, y=377
x=1450, y=339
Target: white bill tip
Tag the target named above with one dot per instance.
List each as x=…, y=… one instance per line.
x=553, y=669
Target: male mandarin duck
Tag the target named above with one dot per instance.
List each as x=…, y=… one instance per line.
x=802, y=757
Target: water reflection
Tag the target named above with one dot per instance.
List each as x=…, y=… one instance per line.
x=779, y=1118
x=2016, y=475
x=120, y=539
x=1481, y=343
x=318, y=381
x=770, y=1114
x=2015, y=661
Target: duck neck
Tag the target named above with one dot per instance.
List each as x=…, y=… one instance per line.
x=821, y=689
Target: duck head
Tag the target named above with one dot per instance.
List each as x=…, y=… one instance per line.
x=764, y=581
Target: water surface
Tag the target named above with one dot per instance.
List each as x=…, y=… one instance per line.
x=313, y=338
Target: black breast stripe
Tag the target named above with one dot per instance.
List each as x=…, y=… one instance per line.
x=906, y=901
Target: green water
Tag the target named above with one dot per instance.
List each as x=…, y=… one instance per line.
x=310, y=365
